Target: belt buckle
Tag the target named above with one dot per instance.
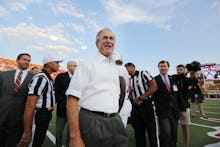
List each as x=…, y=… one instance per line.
x=50, y=108
x=108, y=114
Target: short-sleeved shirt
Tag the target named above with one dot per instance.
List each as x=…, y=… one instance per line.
x=96, y=83
x=139, y=83
x=42, y=85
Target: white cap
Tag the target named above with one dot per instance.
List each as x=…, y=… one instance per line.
x=51, y=58
x=117, y=57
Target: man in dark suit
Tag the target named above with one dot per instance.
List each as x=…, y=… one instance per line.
x=13, y=94
x=61, y=84
x=169, y=105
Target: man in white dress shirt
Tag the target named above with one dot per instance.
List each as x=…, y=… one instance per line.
x=95, y=89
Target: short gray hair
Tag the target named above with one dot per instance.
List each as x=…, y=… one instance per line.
x=71, y=62
x=99, y=34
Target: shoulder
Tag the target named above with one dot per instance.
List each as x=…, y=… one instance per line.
x=40, y=76
x=30, y=74
x=157, y=77
x=7, y=73
x=62, y=74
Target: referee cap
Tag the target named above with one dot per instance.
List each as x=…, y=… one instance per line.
x=129, y=64
x=51, y=58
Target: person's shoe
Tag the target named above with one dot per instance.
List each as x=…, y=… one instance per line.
x=205, y=117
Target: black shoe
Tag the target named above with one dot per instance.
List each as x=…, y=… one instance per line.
x=204, y=116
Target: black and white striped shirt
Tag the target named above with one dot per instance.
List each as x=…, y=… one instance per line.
x=139, y=82
x=41, y=85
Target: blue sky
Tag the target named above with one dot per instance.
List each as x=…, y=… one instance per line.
x=147, y=31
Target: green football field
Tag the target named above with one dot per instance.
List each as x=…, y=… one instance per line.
x=199, y=129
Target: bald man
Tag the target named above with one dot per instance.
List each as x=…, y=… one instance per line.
x=61, y=84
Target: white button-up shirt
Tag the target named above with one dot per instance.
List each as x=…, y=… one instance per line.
x=24, y=74
x=96, y=84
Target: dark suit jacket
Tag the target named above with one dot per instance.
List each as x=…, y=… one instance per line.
x=12, y=104
x=61, y=84
x=164, y=99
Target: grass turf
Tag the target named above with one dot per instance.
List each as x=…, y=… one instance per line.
x=198, y=134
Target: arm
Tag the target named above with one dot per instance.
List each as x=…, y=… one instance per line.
x=152, y=87
x=28, y=119
x=73, y=121
x=122, y=94
x=181, y=105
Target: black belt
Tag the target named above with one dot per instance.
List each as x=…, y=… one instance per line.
x=100, y=113
x=49, y=109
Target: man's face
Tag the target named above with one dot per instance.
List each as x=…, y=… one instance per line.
x=106, y=43
x=131, y=70
x=34, y=71
x=24, y=62
x=163, y=68
x=180, y=70
x=54, y=66
x=72, y=66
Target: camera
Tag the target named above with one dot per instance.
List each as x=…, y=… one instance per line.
x=194, y=66
x=178, y=77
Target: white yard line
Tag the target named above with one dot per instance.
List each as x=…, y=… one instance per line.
x=213, y=145
x=51, y=137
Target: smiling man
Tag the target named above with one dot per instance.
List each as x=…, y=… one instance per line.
x=40, y=103
x=95, y=88
x=13, y=94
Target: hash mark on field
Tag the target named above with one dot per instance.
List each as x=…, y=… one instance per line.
x=51, y=137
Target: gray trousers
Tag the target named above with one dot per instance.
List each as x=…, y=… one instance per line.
x=101, y=131
x=60, y=124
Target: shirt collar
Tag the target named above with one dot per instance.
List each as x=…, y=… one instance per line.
x=69, y=74
x=101, y=57
x=47, y=74
x=23, y=71
x=136, y=74
x=164, y=75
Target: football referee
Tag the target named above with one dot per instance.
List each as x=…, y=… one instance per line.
x=39, y=105
x=143, y=115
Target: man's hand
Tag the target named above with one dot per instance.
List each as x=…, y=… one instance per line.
x=25, y=140
x=183, y=115
x=137, y=101
x=78, y=142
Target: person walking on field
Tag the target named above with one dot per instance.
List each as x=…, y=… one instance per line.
x=95, y=88
x=13, y=95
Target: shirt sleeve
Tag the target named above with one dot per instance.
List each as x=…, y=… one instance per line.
x=147, y=76
x=37, y=85
x=78, y=81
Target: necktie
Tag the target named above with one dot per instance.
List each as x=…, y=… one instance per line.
x=18, y=81
x=166, y=83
